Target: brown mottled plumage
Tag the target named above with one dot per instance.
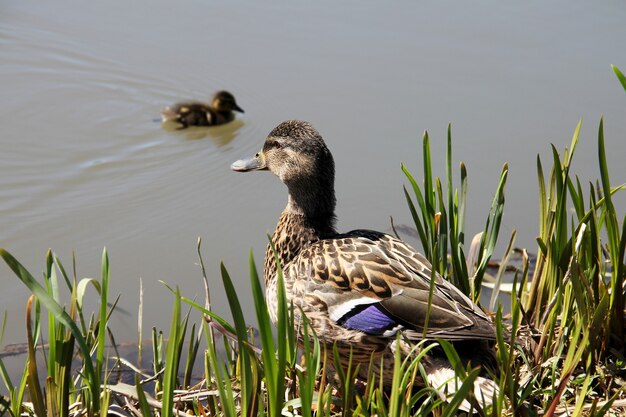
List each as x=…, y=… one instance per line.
x=187, y=114
x=358, y=289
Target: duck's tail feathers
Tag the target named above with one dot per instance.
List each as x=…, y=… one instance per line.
x=443, y=379
x=168, y=114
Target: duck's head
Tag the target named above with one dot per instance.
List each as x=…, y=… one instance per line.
x=296, y=153
x=225, y=101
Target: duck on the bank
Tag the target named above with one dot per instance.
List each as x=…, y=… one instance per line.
x=357, y=289
x=187, y=114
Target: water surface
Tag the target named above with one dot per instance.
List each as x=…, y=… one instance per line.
x=84, y=166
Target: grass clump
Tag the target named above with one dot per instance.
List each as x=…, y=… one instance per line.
x=61, y=387
x=560, y=348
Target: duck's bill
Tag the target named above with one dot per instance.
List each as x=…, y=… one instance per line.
x=251, y=164
x=239, y=109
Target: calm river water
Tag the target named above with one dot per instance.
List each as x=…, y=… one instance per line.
x=83, y=164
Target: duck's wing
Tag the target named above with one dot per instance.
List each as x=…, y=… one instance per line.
x=188, y=114
x=372, y=282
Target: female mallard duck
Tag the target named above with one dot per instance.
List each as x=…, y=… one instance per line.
x=357, y=289
x=187, y=114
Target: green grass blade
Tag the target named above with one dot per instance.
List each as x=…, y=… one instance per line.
x=64, y=375
x=615, y=245
x=6, y=378
x=171, y=361
x=62, y=316
x=235, y=306
x=144, y=407
x=34, y=388
x=4, y=374
x=462, y=203
x=222, y=380
x=242, y=336
x=543, y=204
x=573, y=144
x=311, y=360
x=428, y=173
x=450, y=195
x=52, y=288
x=192, y=354
x=283, y=329
x=620, y=76
x=102, y=322
x=421, y=228
x=492, y=230
x=265, y=330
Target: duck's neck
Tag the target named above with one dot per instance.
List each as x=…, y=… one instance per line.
x=306, y=219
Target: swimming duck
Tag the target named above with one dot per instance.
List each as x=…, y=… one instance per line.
x=357, y=289
x=187, y=114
